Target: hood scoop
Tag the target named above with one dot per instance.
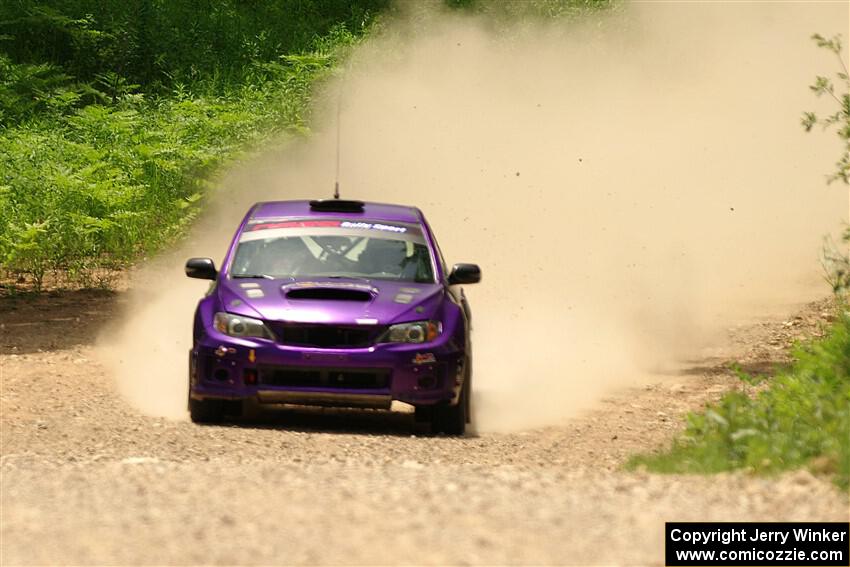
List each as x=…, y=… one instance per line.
x=329, y=294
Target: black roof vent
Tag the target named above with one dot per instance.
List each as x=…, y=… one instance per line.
x=336, y=206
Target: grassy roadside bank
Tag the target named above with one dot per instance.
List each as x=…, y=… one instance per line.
x=800, y=418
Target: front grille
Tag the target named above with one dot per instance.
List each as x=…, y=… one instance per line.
x=366, y=379
x=328, y=336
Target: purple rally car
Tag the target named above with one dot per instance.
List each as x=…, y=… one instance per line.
x=333, y=303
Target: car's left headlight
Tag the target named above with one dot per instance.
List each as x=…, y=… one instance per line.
x=415, y=332
x=239, y=326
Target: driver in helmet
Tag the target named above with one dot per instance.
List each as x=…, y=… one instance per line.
x=288, y=257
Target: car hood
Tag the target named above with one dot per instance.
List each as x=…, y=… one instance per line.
x=330, y=300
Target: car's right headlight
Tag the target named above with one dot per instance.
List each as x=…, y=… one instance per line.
x=416, y=332
x=239, y=326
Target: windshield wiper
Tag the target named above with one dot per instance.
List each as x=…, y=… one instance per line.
x=256, y=276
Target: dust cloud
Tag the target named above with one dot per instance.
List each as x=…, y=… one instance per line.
x=631, y=185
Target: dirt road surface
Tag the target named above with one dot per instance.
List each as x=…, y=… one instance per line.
x=88, y=480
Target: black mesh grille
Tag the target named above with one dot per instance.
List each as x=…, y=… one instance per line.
x=324, y=378
x=328, y=336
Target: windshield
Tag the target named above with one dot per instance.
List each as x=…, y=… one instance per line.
x=333, y=248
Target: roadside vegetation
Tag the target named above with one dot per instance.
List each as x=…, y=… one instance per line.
x=113, y=116
x=800, y=418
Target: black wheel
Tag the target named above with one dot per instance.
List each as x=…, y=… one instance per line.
x=467, y=383
x=452, y=420
x=447, y=419
x=206, y=411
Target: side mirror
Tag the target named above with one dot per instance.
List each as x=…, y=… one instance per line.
x=465, y=274
x=201, y=268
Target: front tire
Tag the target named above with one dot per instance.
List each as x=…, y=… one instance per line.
x=447, y=419
x=452, y=420
x=206, y=411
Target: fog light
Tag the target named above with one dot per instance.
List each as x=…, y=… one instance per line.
x=249, y=376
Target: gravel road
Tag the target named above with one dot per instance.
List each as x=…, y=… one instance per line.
x=87, y=480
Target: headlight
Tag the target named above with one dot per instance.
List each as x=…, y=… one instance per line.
x=417, y=332
x=239, y=326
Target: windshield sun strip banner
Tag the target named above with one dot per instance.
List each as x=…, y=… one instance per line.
x=278, y=232
x=395, y=228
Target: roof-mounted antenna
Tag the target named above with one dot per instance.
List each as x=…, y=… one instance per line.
x=338, y=106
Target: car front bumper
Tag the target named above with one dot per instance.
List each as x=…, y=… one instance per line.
x=223, y=367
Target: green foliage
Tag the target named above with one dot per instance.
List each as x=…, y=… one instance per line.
x=29, y=89
x=157, y=43
x=840, y=119
x=802, y=419
x=836, y=260
x=837, y=265
x=97, y=184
